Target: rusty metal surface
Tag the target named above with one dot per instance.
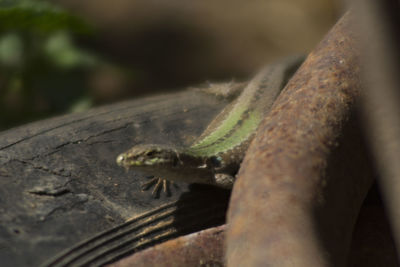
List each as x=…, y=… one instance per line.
x=372, y=243
x=379, y=21
x=204, y=248
x=300, y=186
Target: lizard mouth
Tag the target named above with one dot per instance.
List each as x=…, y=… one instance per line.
x=153, y=161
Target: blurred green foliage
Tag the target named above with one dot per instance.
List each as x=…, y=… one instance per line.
x=42, y=70
x=38, y=16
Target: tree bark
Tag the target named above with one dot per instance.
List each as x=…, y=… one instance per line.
x=60, y=185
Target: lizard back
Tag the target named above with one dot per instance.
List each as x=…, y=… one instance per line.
x=235, y=126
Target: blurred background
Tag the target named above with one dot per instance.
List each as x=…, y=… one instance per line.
x=66, y=56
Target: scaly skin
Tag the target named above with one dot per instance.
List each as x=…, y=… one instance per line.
x=214, y=158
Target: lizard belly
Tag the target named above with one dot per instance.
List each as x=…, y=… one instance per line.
x=183, y=174
x=222, y=176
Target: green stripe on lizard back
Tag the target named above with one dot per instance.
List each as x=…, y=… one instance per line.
x=240, y=134
x=238, y=122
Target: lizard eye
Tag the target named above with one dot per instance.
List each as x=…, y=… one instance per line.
x=150, y=153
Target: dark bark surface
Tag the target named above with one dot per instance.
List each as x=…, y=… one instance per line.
x=59, y=183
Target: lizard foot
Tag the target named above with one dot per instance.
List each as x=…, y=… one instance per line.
x=158, y=183
x=224, y=180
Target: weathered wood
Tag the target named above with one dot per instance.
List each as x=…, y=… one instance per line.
x=59, y=183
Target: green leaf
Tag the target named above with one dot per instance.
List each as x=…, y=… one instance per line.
x=38, y=16
x=63, y=53
x=11, y=50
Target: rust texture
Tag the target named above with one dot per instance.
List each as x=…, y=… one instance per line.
x=304, y=176
x=204, y=248
x=381, y=101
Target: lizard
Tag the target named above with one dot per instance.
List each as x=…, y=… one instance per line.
x=215, y=156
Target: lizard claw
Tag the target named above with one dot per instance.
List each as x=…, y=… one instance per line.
x=158, y=183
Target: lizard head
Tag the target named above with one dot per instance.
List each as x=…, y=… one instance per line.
x=148, y=155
